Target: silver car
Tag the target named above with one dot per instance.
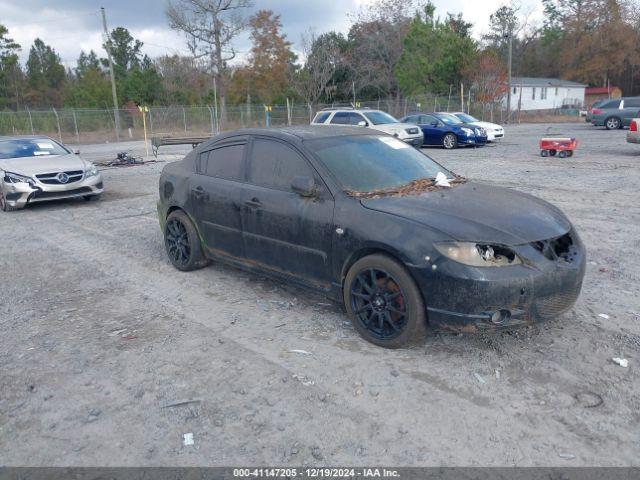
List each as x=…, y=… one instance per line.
x=37, y=169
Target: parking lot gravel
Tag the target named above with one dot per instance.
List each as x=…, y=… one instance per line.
x=109, y=356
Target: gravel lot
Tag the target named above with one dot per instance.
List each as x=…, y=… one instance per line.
x=108, y=355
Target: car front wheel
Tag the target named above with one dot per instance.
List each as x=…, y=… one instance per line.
x=613, y=123
x=182, y=242
x=384, y=302
x=4, y=206
x=449, y=141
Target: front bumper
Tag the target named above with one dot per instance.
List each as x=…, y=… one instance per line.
x=464, y=299
x=416, y=141
x=19, y=195
x=471, y=140
x=493, y=136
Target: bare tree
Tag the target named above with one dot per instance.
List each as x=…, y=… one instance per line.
x=322, y=56
x=210, y=27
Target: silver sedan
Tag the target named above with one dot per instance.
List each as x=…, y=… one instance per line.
x=37, y=169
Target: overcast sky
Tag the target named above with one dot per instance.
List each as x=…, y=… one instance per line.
x=70, y=26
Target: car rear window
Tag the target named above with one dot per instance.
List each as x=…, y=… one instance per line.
x=611, y=104
x=224, y=162
x=275, y=165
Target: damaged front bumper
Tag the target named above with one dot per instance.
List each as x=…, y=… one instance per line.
x=19, y=195
x=461, y=298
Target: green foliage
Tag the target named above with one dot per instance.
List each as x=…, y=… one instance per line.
x=10, y=71
x=45, y=75
x=125, y=51
x=143, y=84
x=435, y=54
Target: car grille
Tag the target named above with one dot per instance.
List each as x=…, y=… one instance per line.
x=481, y=132
x=54, y=178
x=553, y=305
x=62, y=194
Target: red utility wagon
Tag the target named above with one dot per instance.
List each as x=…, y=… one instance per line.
x=563, y=147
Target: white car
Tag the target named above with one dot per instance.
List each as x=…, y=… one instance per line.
x=374, y=119
x=494, y=131
x=37, y=169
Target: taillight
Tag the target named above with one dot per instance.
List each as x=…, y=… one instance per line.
x=634, y=126
x=597, y=111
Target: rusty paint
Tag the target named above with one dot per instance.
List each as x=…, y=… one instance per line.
x=416, y=187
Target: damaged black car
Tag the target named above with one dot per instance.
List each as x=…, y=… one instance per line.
x=404, y=243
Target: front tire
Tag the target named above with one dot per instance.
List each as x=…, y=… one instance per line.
x=613, y=123
x=182, y=242
x=384, y=302
x=3, y=204
x=449, y=141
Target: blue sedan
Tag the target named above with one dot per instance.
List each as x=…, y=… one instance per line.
x=447, y=130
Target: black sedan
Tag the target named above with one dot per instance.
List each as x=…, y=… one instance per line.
x=373, y=223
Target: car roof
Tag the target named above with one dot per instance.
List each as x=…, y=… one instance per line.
x=23, y=137
x=301, y=132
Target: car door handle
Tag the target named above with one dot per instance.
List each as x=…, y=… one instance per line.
x=200, y=194
x=253, y=203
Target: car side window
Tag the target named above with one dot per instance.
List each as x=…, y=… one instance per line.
x=321, y=117
x=224, y=162
x=356, y=118
x=273, y=164
x=341, y=118
x=412, y=119
x=632, y=103
x=427, y=119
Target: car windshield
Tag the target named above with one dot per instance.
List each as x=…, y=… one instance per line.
x=449, y=119
x=379, y=118
x=466, y=118
x=370, y=162
x=30, y=147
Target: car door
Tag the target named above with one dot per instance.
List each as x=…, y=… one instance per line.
x=431, y=129
x=631, y=110
x=281, y=229
x=216, y=195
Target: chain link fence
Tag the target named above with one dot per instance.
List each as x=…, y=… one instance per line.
x=81, y=126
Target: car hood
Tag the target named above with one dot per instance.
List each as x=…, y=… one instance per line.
x=393, y=128
x=475, y=212
x=30, y=166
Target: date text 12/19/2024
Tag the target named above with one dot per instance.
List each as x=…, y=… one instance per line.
x=315, y=473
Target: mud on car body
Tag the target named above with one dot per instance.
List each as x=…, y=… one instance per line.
x=360, y=216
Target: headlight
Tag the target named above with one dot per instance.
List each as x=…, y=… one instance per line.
x=467, y=131
x=92, y=171
x=16, y=178
x=478, y=254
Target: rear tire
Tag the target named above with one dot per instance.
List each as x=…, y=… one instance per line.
x=613, y=123
x=449, y=141
x=562, y=154
x=384, y=303
x=182, y=242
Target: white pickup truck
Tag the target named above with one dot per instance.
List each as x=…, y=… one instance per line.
x=633, y=135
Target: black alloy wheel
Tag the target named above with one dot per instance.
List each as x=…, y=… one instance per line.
x=384, y=302
x=183, y=243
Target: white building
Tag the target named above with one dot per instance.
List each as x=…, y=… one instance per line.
x=529, y=93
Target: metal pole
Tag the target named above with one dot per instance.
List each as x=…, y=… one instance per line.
x=462, y=97
x=510, y=34
x=30, y=121
x=288, y=112
x=184, y=119
x=215, y=102
x=75, y=125
x=58, y=122
x=211, y=116
x=449, y=99
x=150, y=121
x=107, y=45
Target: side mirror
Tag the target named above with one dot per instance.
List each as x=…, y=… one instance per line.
x=362, y=123
x=304, y=186
x=434, y=124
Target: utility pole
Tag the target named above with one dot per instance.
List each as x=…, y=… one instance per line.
x=111, y=74
x=510, y=36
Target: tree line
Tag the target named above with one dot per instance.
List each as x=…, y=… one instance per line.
x=393, y=48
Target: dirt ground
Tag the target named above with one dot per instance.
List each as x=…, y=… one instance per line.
x=108, y=355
